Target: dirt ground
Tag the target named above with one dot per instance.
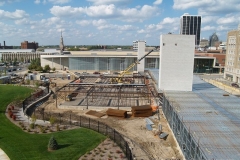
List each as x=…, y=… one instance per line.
x=107, y=150
x=144, y=144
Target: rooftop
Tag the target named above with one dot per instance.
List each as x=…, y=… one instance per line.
x=213, y=119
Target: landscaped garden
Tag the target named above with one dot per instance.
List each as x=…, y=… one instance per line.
x=19, y=144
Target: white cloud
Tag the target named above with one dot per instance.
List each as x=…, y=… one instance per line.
x=209, y=19
x=18, y=14
x=99, y=22
x=102, y=11
x=223, y=28
x=169, y=20
x=157, y=2
x=148, y=35
x=91, y=22
x=141, y=31
x=66, y=11
x=2, y=2
x=168, y=24
x=59, y=1
x=101, y=2
x=208, y=28
x=208, y=7
x=83, y=22
x=228, y=20
x=185, y=4
x=37, y=1
x=107, y=11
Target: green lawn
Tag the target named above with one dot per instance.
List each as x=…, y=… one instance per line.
x=20, y=145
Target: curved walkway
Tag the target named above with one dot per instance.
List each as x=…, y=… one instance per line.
x=3, y=155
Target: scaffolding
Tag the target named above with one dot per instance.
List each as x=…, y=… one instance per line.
x=99, y=92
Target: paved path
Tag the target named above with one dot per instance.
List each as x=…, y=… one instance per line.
x=3, y=155
x=24, y=118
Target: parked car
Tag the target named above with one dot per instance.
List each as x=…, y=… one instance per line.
x=105, y=73
x=235, y=85
x=85, y=73
x=96, y=72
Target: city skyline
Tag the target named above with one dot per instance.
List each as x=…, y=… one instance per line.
x=109, y=22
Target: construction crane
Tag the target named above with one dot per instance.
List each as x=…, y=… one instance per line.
x=121, y=75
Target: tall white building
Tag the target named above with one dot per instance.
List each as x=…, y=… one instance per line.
x=232, y=63
x=176, y=62
x=135, y=45
x=191, y=25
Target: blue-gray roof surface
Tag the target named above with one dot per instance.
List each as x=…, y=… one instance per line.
x=213, y=119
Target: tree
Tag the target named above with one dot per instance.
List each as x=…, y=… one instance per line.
x=52, y=144
x=52, y=120
x=39, y=68
x=22, y=59
x=53, y=69
x=47, y=68
x=33, y=120
x=15, y=62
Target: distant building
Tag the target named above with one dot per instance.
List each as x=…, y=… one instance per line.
x=191, y=25
x=213, y=40
x=22, y=55
x=204, y=43
x=5, y=47
x=135, y=45
x=232, y=64
x=29, y=45
x=61, y=45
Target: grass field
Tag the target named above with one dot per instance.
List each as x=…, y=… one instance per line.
x=19, y=145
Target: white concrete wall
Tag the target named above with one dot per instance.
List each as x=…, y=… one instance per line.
x=176, y=62
x=141, y=52
x=57, y=62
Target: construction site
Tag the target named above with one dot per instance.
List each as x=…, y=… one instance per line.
x=166, y=113
x=129, y=102
x=133, y=109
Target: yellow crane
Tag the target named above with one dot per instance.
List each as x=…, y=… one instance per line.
x=121, y=75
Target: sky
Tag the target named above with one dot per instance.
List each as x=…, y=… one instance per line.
x=109, y=22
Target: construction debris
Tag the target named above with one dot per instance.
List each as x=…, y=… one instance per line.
x=116, y=112
x=163, y=135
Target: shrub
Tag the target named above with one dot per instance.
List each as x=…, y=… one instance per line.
x=52, y=144
x=57, y=128
x=11, y=115
x=14, y=117
x=42, y=129
x=31, y=125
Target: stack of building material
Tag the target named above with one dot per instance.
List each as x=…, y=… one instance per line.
x=142, y=111
x=95, y=113
x=116, y=112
